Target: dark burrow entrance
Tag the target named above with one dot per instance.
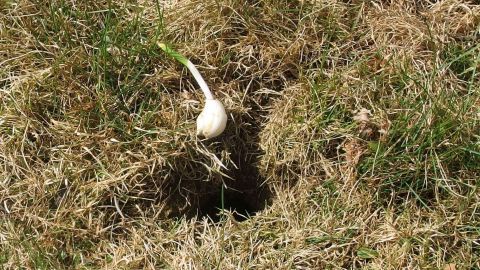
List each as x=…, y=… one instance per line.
x=243, y=193
x=243, y=196
x=242, y=204
x=185, y=191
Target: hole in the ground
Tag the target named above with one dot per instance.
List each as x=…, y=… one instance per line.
x=245, y=192
x=242, y=204
x=185, y=191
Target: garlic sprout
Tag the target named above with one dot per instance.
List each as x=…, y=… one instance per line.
x=213, y=119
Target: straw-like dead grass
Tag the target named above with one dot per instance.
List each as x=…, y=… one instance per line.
x=353, y=137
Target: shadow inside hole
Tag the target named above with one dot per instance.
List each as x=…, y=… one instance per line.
x=245, y=192
x=243, y=204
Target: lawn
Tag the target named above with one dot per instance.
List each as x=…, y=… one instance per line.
x=352, y=141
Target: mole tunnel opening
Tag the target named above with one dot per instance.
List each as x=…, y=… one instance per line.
x=245, y=191
x=244, y=194
x=243, y=204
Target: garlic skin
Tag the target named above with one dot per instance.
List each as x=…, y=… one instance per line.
x=212, y=120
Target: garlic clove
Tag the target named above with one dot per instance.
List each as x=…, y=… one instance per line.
x=212, y=120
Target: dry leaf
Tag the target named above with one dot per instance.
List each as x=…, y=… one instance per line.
x=450, y=266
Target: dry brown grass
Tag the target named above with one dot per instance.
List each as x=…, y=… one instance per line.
x=352, y=139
